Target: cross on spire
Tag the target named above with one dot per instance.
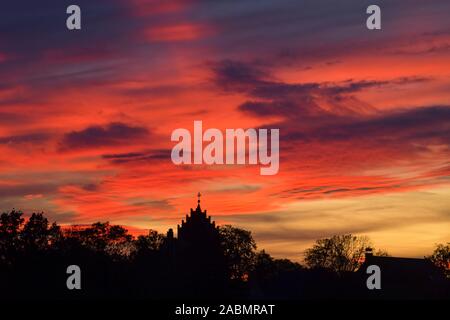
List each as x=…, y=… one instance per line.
x=198, y=196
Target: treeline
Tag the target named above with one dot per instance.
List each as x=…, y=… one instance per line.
x=35, y=254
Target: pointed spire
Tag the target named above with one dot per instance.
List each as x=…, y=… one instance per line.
x=198, y=201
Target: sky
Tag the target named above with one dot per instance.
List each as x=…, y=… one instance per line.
x=364, y=116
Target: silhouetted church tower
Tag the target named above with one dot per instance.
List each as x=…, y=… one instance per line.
x=197, y=227
x=201, y=269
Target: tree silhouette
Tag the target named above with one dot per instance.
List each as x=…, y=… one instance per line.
x=264, y=266
x=339, y=253
x=116, y=265
x=441, y=258
x=103, y=237
x=239, y=250
x=149, y=245
x=151, y=242
x=10, y=242
x=38, y=234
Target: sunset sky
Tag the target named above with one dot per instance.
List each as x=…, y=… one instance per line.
x=364, y=116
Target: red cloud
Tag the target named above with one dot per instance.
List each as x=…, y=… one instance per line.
x=177, y=32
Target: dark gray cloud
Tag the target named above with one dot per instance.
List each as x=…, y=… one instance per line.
x=20, y=190
x=164, y=204
x=301, y=104
x=302, y=107
x=34, y=36
x=416, y=125
x=14, y=118
x=115, y=133
x=237, y=76
x=329, y=112
x=30, y=28
x=321, y=191
x=257, y=82
x=25, y=138
x=145, y=156
x=91, y=187
x=298, y=32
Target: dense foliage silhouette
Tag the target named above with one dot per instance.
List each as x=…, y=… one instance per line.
x=34, y=256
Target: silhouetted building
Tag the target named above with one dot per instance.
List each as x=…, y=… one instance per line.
x=197, y=231
x=406, y=278
x=198, y=228
x=197, y=253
